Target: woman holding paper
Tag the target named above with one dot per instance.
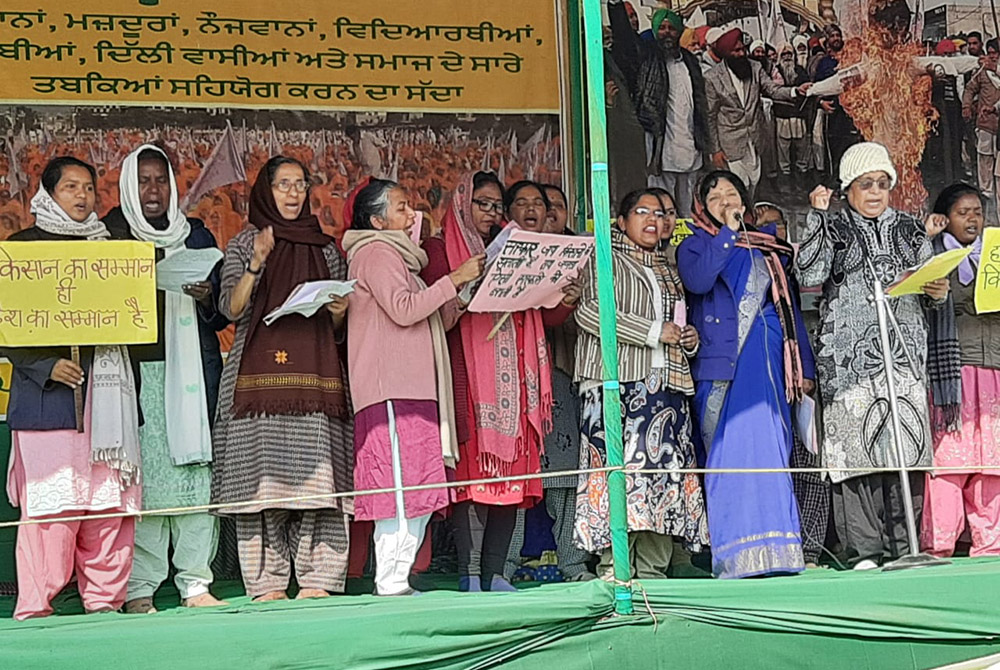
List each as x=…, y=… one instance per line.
x=178, y=385
x=963, y=363
x=56, y=471
x=839, y=251
x=283, y=428
x=404, y=424
x=502, y=385
x=754, y=362
x=655, y=345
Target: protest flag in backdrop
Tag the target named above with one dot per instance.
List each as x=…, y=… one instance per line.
x=224, y=166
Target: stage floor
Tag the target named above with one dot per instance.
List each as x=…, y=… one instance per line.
x=822, y=619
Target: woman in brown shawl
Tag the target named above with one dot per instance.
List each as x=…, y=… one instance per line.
x=283, y=428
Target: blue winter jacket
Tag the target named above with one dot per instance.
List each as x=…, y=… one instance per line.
x=706, y=266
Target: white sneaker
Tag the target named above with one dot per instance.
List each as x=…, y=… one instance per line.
x=867, y=564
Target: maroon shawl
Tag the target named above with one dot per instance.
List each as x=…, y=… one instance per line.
x=293, y=365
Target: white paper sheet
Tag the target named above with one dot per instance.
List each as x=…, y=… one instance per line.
x=805, y=424
x=187, y=266
x=306, y=299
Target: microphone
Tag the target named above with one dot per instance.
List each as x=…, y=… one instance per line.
x=739, y=219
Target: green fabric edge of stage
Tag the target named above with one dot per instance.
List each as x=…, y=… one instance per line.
x=822, y=619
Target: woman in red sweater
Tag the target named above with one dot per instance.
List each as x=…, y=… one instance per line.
x=503, y=393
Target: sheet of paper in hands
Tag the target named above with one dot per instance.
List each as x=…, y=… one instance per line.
x=492, y=251
x=306, y=299
x=187, y=266
x=937, y=267
x=531, y=271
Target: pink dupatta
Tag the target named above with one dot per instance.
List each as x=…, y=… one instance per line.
x=495, y=381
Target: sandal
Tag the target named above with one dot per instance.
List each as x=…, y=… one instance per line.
x=140, y=606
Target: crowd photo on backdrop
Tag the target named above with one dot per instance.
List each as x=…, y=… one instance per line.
x=398, y=343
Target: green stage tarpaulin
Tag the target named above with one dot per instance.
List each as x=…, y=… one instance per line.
x=822, y=619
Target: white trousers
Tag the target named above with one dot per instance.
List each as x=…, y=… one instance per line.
x=396, y=544
x=195, y=538
x=396, y=540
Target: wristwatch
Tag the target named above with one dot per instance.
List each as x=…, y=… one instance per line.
x=246, y=268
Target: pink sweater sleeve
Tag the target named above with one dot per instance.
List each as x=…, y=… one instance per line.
x=386, y=276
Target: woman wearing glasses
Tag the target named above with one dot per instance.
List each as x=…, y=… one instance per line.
x=654, y=347
x=753, y=363
x=840, y=251
x=503, y=391
x=283, y=428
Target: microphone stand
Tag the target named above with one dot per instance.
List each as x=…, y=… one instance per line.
x=915, y=558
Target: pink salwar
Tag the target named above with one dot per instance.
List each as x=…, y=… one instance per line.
x=970, y=496
x=50, y=477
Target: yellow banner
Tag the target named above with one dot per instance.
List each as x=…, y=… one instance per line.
x=64, y=293
x=5, y=371
x=434, y=55
x=988, y=276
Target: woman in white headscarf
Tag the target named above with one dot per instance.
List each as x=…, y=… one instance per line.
x=56, y=471
x=178, y=381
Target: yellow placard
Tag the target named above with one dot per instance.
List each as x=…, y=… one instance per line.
x=938, y=267
x=988, y=276
x=438, y=55
x=6, y=369
x=65, y=293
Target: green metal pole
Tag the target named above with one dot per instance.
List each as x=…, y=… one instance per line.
x=578, y=115
x=597, y=122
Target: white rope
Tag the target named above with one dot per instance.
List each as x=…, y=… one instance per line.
x=277, y=502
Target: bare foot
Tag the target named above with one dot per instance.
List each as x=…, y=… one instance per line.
x=102, y=609
x=312, y=593
x=204, y=600
x=271, y=595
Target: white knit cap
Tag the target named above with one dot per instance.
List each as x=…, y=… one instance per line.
x=713, y=35
x=756, y=44
x=863, y=158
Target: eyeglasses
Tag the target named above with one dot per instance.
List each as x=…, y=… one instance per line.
x=286, y=185
x=488, y=206
x=883, y=183
x=646, y=211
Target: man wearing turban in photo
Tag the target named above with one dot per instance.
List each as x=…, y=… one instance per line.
x=668, y=90
x=734, y=89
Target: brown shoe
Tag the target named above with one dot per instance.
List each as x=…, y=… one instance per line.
x=204, y=600
x=271, y=595
x=140, y=606
x=312, y=593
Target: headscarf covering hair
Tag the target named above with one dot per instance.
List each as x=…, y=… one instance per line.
x=670, y=16
x=307, y=377
x=178, y=228
x=945, y=48
x=726, y=44
x=114, y=418
x=185, y=400
x=756, y=44
x=502, y=425
x=773, y=250
x=831, y=29
x=348, y=210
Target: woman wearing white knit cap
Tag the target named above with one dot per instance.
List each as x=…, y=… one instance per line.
x=838, y=250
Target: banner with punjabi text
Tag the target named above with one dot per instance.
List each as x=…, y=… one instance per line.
x=399, y=55
x=66, y=293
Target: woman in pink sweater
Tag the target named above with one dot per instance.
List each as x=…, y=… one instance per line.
x=404, y=426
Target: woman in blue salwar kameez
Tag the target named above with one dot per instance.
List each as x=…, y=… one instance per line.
x=755, y=362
